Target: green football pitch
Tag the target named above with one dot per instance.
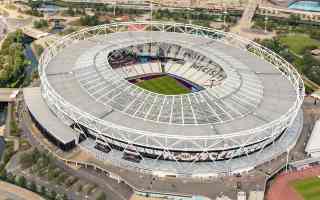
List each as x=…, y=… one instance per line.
x=309, y=188
x=163, y=85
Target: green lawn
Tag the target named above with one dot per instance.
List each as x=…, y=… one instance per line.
x=164, y=85
x=308, y=188
x=298, y=42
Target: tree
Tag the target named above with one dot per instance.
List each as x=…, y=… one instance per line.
x=272, y=44
x=102, y=196
x=33, y=186
x=294, y=19
x=34, y=4
x=35, y=154
x=38, y=49
x=34, y=12
x=80, y=187
x=43, y=190
x=286, y=54
x=26, y=160
x=70, y=11
x=64, y=197
x=52, y=195
x=42, y=23
x=315, y=34
x=88, y=20
x=51, y=174
x=21, y=181
x=12, y=60
x=311, y=67
x=15, y=131
x=3, y=173
x=11, y=177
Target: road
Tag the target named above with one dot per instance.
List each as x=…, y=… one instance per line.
x=10, y=191
x=112, y=189
x=3, y=28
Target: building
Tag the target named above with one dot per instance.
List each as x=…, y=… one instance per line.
x=313, y=146
x=241, y=109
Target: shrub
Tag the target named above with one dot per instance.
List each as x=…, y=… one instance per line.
x=40, y=24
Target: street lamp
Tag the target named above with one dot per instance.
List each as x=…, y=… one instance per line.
x=151, y=10
x=151, y=13
x=265, y=23
x=114, y=8
x=287, y=161
x=224, y=18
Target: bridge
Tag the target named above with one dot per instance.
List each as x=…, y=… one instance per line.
x=46, y=41
x=34, y=33
x=54, y=19
x=8, y=94
x=245, y=21
x=244, y=24
x=248, y=14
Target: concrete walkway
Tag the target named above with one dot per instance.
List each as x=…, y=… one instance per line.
x=10, y=191
x=243, y=27
x=112, y=189
x=247, y=15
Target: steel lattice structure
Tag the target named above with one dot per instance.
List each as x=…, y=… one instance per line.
x=174, y=147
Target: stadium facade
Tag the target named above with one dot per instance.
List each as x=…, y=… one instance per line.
x=245, y=111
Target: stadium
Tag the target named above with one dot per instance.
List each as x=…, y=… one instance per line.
x=167, y=98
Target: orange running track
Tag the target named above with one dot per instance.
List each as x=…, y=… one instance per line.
x=280, y=188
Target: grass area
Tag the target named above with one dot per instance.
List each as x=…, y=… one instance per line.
x=10, y=6
x=297, y=43
x=308, y=188
x=164, y=85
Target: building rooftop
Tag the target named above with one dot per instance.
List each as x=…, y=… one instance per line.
x=41, y=112
x=313, y=145
x=253, y=94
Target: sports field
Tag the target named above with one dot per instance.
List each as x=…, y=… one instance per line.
x=298, y=42
x=308, y=188
x=164, y=85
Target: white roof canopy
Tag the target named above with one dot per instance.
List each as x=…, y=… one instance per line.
x=313, y=145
